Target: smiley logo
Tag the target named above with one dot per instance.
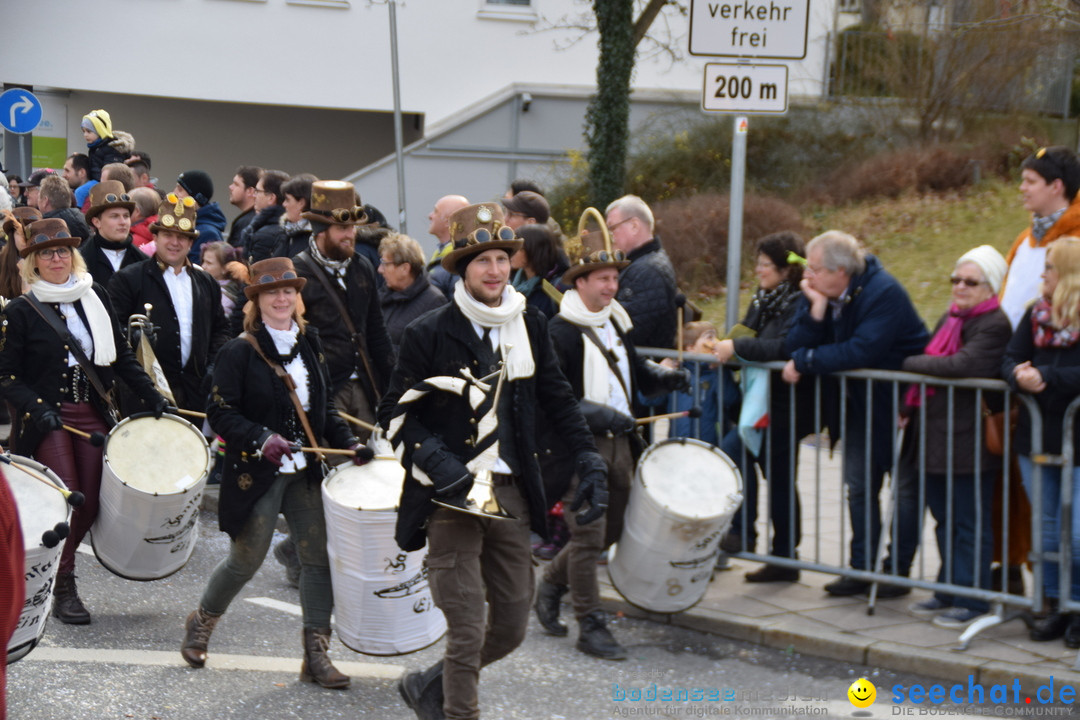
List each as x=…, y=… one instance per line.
x=862, y=693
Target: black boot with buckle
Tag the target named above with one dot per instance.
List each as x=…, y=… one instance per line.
x=67, y=607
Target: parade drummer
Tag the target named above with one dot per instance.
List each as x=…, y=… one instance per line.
x=486, y=330
x=265, y=473
x=61, y=348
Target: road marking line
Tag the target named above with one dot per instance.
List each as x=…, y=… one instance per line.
x=285, y=607
x=217, y=661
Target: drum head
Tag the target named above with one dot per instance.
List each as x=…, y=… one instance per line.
x=158, y=457
x=689, y=477
x=374, y=486
x=40, y=507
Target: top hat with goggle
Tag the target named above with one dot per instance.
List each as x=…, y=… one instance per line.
x=177, y=214
x=334, y=202
x=108, y=194
x=591, y=248
x=18, y=221
x=272, y=273
x=48, y=233
x=476, y=228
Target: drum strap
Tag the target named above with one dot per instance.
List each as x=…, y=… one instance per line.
x=290, y=385
x=53, y=320
x=320, y=275
x=612, y=362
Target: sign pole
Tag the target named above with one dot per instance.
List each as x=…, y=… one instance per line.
x=735, y=218
x=399, y=157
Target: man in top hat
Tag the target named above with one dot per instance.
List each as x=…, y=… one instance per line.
x=210, y=221
x=110, y=248
x=190, y=324
x=342, y=301
x=462, y=404
x=591, y=335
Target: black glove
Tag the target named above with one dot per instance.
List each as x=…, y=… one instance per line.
x=448, y=474
x=161, y=406
x=592, y=486
x=678, y=379
x=604, y=418
x=49, y=421
x=275, y=448
x=363, y=455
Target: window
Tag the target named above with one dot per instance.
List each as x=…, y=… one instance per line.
x=519, y=10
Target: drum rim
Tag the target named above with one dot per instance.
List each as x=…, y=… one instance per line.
x=667, y=509
x=345, y=467
x=138, y=416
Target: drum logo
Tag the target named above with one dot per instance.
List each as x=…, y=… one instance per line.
x=690, y=530
x=416, y=584
x=396, y=565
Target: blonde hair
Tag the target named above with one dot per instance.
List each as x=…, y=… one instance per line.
x=253, y=316
x=29, y=273
x=692, y=331
x=1064, y=253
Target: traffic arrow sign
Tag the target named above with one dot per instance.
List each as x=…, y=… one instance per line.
x=20, y=111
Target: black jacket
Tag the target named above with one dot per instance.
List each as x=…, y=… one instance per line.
x=248, y=403
x=362, y=302
x=99, y=266
x=75, y=221
x=443, y=342
x=401, y=307
x=35, y=374
x=137, y=285
x=264, y=234
x=236, y=230
x=647, y=292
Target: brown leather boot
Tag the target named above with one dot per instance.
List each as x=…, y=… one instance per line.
x=317, y=666
x=67, y=607
x=197, y=631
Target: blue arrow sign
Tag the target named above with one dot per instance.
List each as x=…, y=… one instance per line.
x=20, y=111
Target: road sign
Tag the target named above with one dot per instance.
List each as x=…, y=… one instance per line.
x=739, y=88
x=749, y=28
x=20, y=111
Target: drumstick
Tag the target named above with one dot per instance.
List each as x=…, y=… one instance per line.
x=692, y=412
x=333, y=451
x=358, y=422
x=96, y=439
x=74, y=497
x=192, y=413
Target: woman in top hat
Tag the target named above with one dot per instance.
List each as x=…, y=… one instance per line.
x=60, y=350
x=253, y=410
x=16, y=226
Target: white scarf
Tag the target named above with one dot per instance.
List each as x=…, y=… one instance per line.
x=509, y=317
x=79, y=287
x=596, y=366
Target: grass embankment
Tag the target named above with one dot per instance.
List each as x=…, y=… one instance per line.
x=917, y=237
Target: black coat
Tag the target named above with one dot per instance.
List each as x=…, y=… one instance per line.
x=401, y=307
x=99, y=266
x=236, y=230
x=264, y=234
x=442, y=342
x=362, y=301
x=647, y=292
x=137, y=285
x=75, y=221
x=248, y=403
x=34, y=369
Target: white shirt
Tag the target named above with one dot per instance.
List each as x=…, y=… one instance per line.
x=500, y=465
x=1024, y=279
x=285, y=341
x=179, y=285
x=115, y=257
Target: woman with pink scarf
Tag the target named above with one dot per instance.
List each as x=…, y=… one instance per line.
x=969, y=341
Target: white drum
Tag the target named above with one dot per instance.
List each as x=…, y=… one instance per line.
x=151, y=487
x=382, y=601
x=683, y=498
x=41, y=508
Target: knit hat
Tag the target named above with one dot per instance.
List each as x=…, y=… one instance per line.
x=198, y=185
x=99, y=122
x=991, y=263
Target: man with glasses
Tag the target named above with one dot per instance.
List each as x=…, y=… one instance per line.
x=647, y=286
x=265, y=233
x=110, y=248
x=341, y=300
x=189, y=322
x=854, y=314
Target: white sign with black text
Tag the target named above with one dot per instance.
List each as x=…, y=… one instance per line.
x=739, y=88
x=774, y=29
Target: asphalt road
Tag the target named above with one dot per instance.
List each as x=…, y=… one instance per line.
x=126, y=664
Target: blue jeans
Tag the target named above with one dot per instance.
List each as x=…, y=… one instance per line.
x=301, y=503
x=967, y=531
x=864, y=509
x=1049, y=507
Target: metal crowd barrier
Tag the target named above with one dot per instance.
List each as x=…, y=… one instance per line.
x=818, y=477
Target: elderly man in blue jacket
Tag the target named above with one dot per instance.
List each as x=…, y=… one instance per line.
x=855, y=315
